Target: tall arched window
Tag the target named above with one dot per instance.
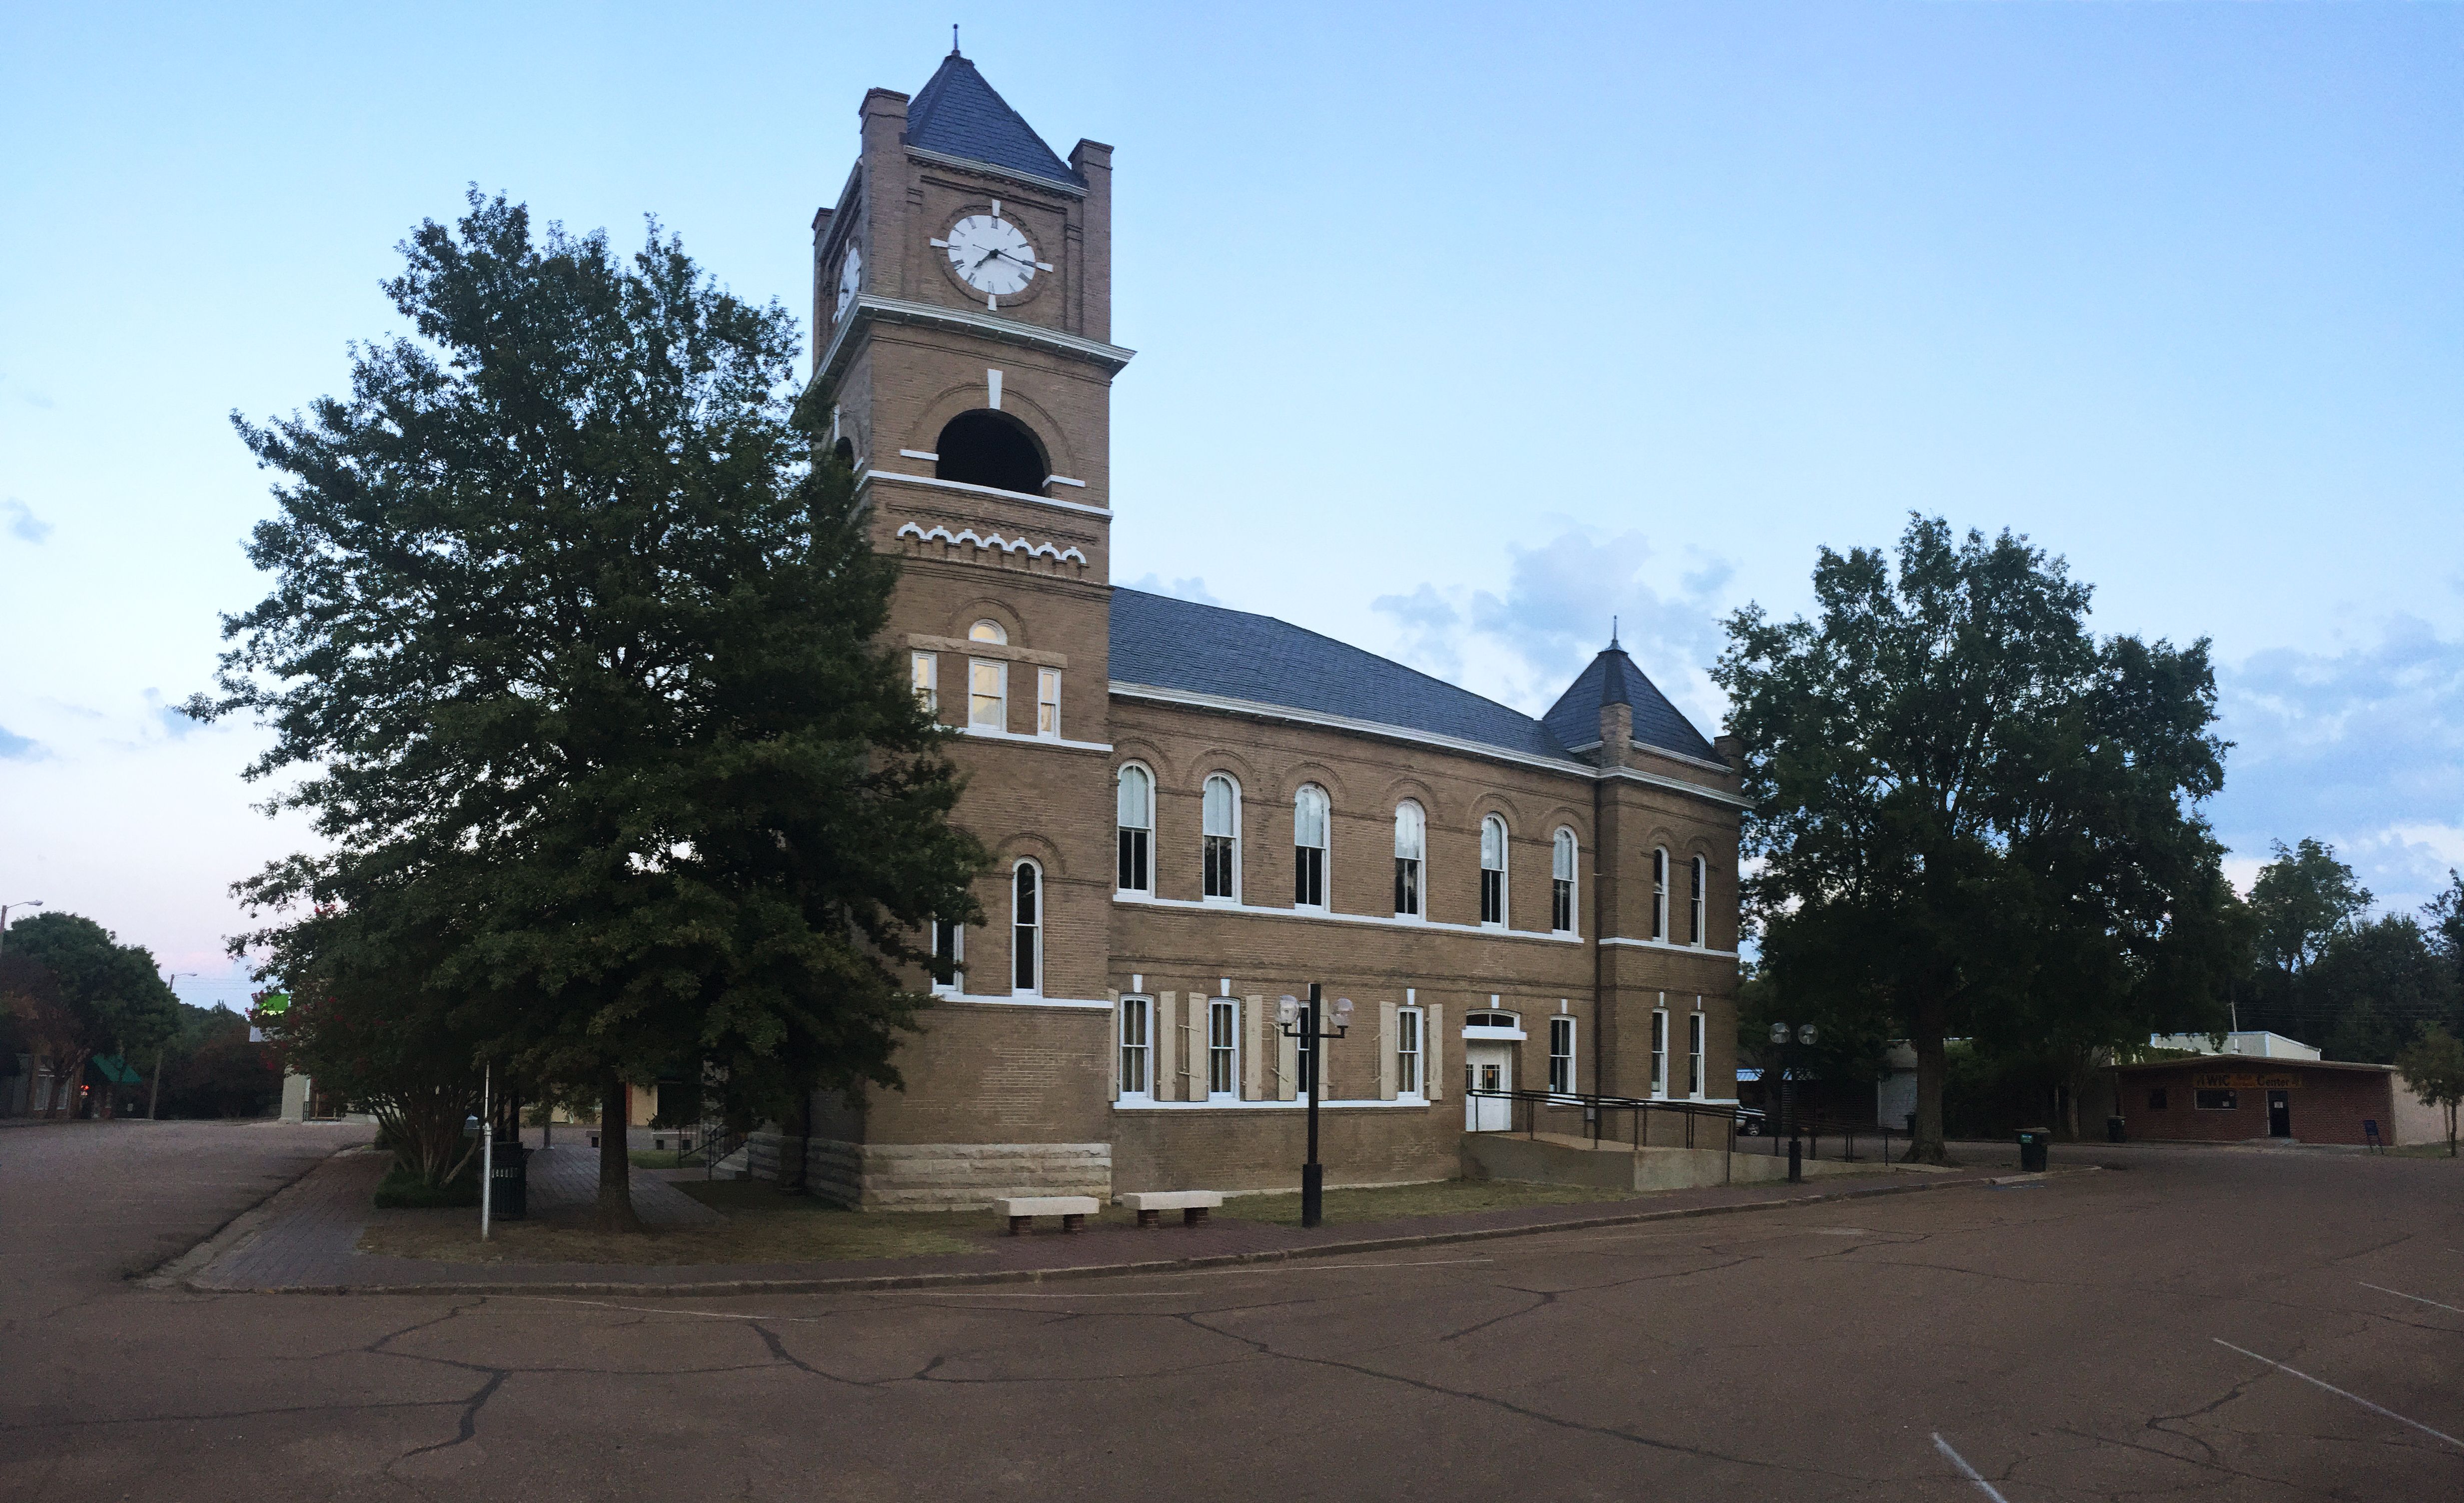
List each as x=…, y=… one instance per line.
x=1492, y=870
x=1411, y=845
x=1660, y=892
x=1561, y=882
x=1136, y=821
x=1027, y=930
x=988, y=681
x=1222, y=830
x=1702, y=876
x=1308, y=847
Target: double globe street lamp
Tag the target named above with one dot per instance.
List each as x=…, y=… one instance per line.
x=1789, y=1039
x=1307, y=1022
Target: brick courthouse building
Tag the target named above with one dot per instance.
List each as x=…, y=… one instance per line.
x=1196, y=811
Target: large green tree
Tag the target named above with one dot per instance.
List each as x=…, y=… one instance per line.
x=573, y=643
x=112, y=999
x=1970, y=816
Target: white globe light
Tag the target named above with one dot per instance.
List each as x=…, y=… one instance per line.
x=1779, y=1032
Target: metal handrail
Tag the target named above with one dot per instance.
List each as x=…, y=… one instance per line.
x=1597, y=1106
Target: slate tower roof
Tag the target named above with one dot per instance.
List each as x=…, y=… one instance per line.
x=1169, y=643
x=959, y=113
x=1612, y=679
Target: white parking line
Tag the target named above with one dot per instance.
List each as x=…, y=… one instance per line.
x=2339, y=1393
x=2415, y=1299
x=1967, y=1470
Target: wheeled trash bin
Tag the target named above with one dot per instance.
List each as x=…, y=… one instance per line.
x=2031, y=1149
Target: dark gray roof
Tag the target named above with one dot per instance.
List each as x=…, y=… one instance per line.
x=1612, y=679
x=958, y=113
x=1206, y=650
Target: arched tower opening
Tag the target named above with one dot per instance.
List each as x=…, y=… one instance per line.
x=985, y=447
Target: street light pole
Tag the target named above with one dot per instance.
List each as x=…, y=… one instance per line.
x=29, y=902
x=1309, y=1025
x=1788, y=1038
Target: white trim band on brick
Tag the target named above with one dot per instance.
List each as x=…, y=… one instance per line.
x=1322, y=916
x=970, y=488
x=992, y=540
x=870, y=306
x=1674, y=949
x=983, y=734
x=1649, y=750
x=1071, y=1003
x=1426, y=738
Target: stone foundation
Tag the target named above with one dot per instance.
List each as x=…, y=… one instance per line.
x=934, y=1176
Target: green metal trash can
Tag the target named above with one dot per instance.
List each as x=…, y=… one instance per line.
x=509, y=1182
x=2031, y=1149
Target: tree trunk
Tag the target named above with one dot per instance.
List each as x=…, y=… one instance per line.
x=1933, y=1070
x=615, y=1207
x=65, y=1089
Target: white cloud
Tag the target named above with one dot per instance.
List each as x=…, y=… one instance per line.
x=23, y=523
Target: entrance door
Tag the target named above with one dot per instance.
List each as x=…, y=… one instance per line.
x=2280, y=1114
x=1487, y=1067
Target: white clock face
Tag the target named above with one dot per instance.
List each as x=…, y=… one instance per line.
x=850, y=278
x=990, y=255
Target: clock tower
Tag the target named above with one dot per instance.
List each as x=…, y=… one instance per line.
x=962, y=326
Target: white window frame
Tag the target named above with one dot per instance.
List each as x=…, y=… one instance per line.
x=977, y=718
x=1324, y=848
x=1561, y=1030
x=1701, y=876
x=1567, y=851
x=1697, y=1078
x=1659, y=893
x=1146, y=844
x=1505, y=838
x=1048, y=703
x=957, y=982
x=1659, y=1051
x=1133, y=1057
x=924, y=676
x=1206, y=839
x=1030, y=934
x=1226, y=1010
x=1411, y=1064
x=1419, y=860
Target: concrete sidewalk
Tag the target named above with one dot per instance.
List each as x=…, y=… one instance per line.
x=307, y=1243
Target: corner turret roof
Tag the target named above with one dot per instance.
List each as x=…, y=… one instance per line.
x=1612, y=679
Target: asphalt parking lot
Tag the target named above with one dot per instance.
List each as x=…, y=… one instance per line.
x=2203, y=1324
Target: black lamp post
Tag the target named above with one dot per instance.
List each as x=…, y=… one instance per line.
x=1789, y=1039
x=1307, y=1022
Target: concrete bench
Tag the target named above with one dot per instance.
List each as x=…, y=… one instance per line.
x=1193, y=1204
x=1023, y=1210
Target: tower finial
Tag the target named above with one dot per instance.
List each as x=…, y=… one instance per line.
x=1613, y=634
x=953, y=38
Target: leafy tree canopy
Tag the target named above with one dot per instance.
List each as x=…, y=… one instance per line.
x=115, y=1000
x=2433, y=1067
x=573, y=646
x=1972, y=816
x=2301, y=899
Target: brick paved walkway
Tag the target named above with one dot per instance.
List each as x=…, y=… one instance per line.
x=310, y=1242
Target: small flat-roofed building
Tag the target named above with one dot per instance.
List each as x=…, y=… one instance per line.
x=2229, y=1099
x=2255, y=1042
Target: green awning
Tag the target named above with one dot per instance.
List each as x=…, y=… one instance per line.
x=114, y=1070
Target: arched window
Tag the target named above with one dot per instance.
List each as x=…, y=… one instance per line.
x=1136, y=821
x=1308, y=847
x=1492, y=870
x=988, y=631
x=988, y=681
x=1660, y=892
x=985, y=447
x=844, y=452
x=1702, y=876
x=1411, y=844
x=1027, y=930
x=1561, y=882
x=1220, y=814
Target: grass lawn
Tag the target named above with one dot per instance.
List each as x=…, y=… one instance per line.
x=2421, y=1150
x=1443, y=1198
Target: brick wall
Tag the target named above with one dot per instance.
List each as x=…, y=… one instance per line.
x=2327, y=1105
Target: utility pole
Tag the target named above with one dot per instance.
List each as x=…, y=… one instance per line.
x=29, y=902
x=155, y=1100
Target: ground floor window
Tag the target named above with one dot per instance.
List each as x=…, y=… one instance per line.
x=1407, y=1052
x=1660, y=1053
x=949, y=948
x=2216, y=1102
x=2156, y=1099
x=1694, y=1076
x=1561, y=1056
x=1134, y=1046
x=1223, y=1048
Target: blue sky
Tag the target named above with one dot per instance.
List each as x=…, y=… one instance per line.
x=1461, y=329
